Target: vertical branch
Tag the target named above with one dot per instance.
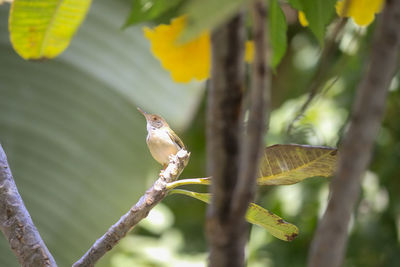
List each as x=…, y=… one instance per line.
x=252, y=144
x=223, y=132
x=328, y=246
x=16, y=223
x=233, y=160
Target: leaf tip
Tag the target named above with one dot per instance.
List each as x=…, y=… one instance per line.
x=291, y=237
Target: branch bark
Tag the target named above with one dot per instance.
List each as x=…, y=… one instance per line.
x=16, y=223
x=233, y=157
x=252, y=143
x=329, y=244
x=223, y=146
x=138, y=212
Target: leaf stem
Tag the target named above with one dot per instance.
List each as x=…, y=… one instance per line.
x=204, y=181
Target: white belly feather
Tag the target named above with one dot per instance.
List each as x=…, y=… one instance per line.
x=161, y=146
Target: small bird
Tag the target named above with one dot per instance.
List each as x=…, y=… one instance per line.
x=161, y=139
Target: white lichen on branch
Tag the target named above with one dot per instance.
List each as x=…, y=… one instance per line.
x=16, y=223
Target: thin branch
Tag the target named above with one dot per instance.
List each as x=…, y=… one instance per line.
x=252, y=144
x=16, y=223
x=223, y=131
x=320, y=76
x=329, y=244
x=138, y=212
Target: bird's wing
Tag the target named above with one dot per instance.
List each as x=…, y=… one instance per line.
x=175, y=138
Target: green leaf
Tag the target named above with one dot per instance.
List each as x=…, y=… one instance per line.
x=205, y=197
x=295, y=4
x=74, y=139
x=290, y=164
x=208, y=14
x=44, y=28
x=255, y=215
x=277, y=32
x=318, y=13
x=152, y=10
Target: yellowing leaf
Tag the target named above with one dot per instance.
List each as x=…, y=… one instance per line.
x=274, y=224
x=43, y=28
x=290, y=164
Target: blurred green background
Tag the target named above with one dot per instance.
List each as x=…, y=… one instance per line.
x=76, y=146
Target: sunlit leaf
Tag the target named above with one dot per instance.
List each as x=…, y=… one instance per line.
x=156, y=10
x=318, y=13
x=255, y=215
x=277, y=32
x=207, y=14
x=44, y=28
x=272, y=222
x=290, y=164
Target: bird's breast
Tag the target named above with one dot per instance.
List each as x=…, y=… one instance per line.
x=161, y=145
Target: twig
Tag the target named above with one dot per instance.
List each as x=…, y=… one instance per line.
x=329, y=244
x=320, y=75
x=16, y=223
x=138, y=212
x=223, y=131
x=252, y=144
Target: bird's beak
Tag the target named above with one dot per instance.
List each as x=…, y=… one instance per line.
x=143, y=112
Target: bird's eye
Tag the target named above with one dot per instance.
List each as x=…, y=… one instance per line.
x=154, y=118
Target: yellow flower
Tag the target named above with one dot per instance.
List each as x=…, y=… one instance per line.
x=361, y=11
x=302, y=19
x=184, y=61
x=249, y=51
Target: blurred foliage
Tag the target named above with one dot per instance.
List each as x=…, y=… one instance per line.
x=317, y=13
x=42, y=29
x=277, y=28
x=77, y=149
x=159, y=11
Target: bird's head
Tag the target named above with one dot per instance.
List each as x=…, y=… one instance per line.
x=153, y=121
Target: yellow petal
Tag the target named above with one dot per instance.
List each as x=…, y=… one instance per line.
x=249, y=52
x=361, y=11
x=191, y=60
x=302, y=19
x=186, y=61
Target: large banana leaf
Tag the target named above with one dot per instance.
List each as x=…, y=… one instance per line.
x=75, y=142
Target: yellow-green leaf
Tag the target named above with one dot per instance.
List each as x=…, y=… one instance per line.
x=42, y=29
x=272, y=222
x=255, y=215
x=290, y=164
